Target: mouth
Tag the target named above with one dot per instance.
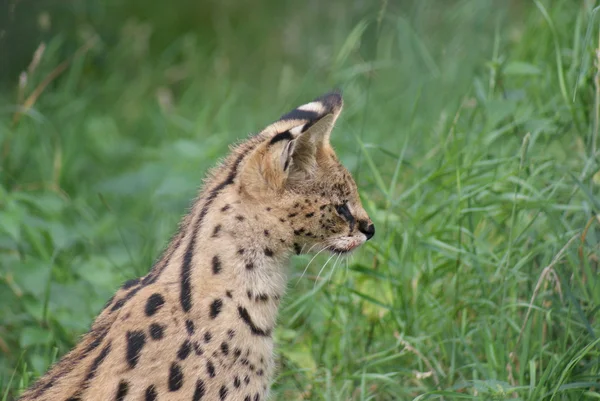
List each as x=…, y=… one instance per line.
x=339, y=251
x=342, y=250
x=343, y=245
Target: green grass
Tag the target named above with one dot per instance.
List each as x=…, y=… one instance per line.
x=471, y=127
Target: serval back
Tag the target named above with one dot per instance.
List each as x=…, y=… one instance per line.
x=199, y=325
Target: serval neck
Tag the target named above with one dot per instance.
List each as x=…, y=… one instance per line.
x=229, y=254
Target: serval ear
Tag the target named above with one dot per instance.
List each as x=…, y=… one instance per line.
x=293, y=147
x=315, y=120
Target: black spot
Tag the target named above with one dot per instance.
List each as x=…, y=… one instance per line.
x=175, y=377
x=260, y=372
x=241, y=251
x=199, y=391
x=216, y=230
x=210, y=368
x=97, y=362
x=207, y=337
x=228, y=294
x=216, y=265
x=292, y=215
x=299, y=231
x=230, y=333
x=130, y=283
x=73, y=399
x=247, y=380
x=225, y=208
x=151, y=393
x=215, y=308
x=282, y=220
x=249, y=266
x=122, y=390
x=297, y=248
x=286, y=135
x=244, y=362
x=266, y=233
x=156, y=331
x=322, y=207
x=236, y=382
x=268, y=209
x=256, y=397
x=135, y=343
x=262, y=297
x=225, y=348
x=245, y=316
x=252, y=367
x=223, y=393
x=239, y=217
x=268, y=252
x=247, y=398
x=237, y=352
x=249, y=293
x=197, y=348
x=154, y=303
x=308, y=215
x=184, y=350
x=189, y=326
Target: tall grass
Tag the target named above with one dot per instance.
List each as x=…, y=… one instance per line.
x=471, y=127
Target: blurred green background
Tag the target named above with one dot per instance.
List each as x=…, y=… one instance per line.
x=471, y=127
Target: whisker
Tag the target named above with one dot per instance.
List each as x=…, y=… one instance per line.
x=332, y=273
x=320, y=271
x=313, y=258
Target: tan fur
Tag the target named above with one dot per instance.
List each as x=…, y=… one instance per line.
x=223, y=273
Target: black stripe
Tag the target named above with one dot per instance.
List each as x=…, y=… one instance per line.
x=185, y=295
x=68, y=363
x=186, y=267
x=119, y=304
x=297, y=114
x=150, y=278
x=130, y=283
x=286, y=135
x=245, y=316
x=96, y=363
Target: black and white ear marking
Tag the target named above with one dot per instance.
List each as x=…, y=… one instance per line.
x=330, y=103
x=283, y=136
x=298, y=130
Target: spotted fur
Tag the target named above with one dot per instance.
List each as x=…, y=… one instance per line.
x=199, y=325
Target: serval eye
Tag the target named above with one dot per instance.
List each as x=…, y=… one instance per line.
x=344, y=211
